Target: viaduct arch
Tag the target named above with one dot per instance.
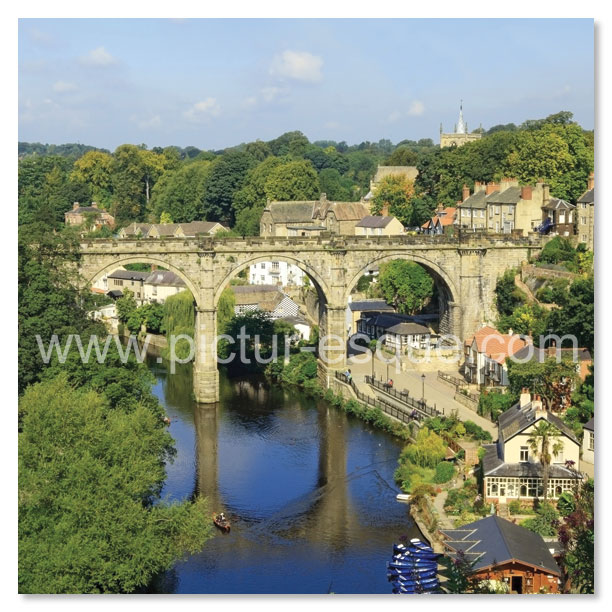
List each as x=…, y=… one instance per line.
x=466, y=267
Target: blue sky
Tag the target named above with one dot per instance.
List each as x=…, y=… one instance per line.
x=215, y=83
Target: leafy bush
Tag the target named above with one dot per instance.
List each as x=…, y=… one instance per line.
x=444, y=472
x=427, y=450
x=545, y=522
x=508, y=296
x=566, y=503
x=514, y=506
x=492, y=404
x=476, y=431
x=558, y=250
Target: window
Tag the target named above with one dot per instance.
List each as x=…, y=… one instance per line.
x=584, y=237
x=510, y=210
x=524, y=454
x=497, y=210
x=583, y=220
x=154, y=289
x=263, y=265
x=482, y=213
x=558, y=458
x=562, y=217
x=591, y=441
x=263, y=278
x=275, y=265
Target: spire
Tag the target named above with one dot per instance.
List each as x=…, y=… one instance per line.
x=461, y=127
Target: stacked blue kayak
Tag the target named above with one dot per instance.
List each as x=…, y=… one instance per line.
x=414, y=568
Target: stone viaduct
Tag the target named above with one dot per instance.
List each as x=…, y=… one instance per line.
x=465, y=269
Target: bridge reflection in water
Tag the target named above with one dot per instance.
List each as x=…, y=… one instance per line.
x=310, y=492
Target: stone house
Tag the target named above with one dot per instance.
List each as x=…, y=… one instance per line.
x=355, y=310
x=311, y=217
x=585, y=212
x=191, y=230
x=89, y=214
x=502, y=207
x=587, y=459
x=511, y=469
x=377, y=225
x=159, y=285
x=120, y=280
x=508, y=555
x=159, y=230
x=134, y=230
x=278, y=273
x=442, y=222
x=486, y=353
x=559, y=217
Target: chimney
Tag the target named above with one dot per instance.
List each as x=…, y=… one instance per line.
x=94, y=204
x=525, y=397
x=323, y=197
x=465, y=193
x=510, y=332
x=526, y=192
x=75, y=206
x=591, y=181
x=491, y=187
x=536, y=402
x=385, y=210
x=153, y=267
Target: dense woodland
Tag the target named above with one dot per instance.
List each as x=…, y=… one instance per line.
x=232, y=185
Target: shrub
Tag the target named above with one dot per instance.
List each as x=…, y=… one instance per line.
x=444, y=472
x=476, y=431
x=545, y=521
x=514, y=506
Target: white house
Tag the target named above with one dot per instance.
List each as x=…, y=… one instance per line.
x=512, y=470
x=398, y=331
x=587, y=461
x=264, y=297
x=160, y=285
x=276, y=273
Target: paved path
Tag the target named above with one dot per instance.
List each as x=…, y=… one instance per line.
x=437, y=393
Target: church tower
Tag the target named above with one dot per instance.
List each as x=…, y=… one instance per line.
x=461, y=134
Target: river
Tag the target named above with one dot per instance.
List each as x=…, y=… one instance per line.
x=310, y=491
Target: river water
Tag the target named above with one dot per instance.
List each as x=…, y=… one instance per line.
x=310, y=491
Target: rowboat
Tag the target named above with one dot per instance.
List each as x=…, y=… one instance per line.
x=222, y=524
x=402, y=497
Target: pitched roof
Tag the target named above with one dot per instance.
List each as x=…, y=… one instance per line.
x=292, y=212
x=508, y=196
x=164, y=229
x=374, y=221
x=266, y=297
x=541, y=354
x=85, y=209
x=347, y=211
x=196, y=227
x=493, y=540
x=371, y=305
x=134, y=228
x=447, y=218
x=557, y=204
x=517, y=419
x=164, y=277
x=588, y=196
x=129, y=275
x=408, y=328
x=476, y=200
x=590, y=424
x=495, y=345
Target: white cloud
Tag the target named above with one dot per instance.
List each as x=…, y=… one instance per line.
x=63, y=86
x=270, y=93
x=203, y=110
x=98, y=57
x=416, y=108
x=151, y=122
x=298, y=65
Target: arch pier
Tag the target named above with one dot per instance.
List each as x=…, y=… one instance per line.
x=465, y=269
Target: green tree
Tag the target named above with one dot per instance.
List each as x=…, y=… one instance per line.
x=227, y=176
x=248, y=221
x=577, y=535
x=402, y=156
x=294, y=180
x=508, y=296
x=406, y=285
x=335, y=186
x=225, y=309
x=427, y=450
x=551, y=380
x=126, y=306
x=545, y=522
x=88, y=477
x=397, y=193
x=253, y=193
x=95, y=169
x=545, y=442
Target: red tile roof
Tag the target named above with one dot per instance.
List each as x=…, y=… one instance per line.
x=495, y=345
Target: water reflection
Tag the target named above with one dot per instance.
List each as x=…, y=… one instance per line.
x=310, y=491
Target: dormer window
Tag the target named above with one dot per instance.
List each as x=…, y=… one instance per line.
x=524, y=454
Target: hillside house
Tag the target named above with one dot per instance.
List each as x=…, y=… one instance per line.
x=159, y=285
x=378, y=225
x=512, y=470
x=442, y=222
x=507, y=555
x=585, y=213
x=92, y=215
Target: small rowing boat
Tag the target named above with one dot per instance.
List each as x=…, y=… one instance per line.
x=221, y=522
x=403, y=497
